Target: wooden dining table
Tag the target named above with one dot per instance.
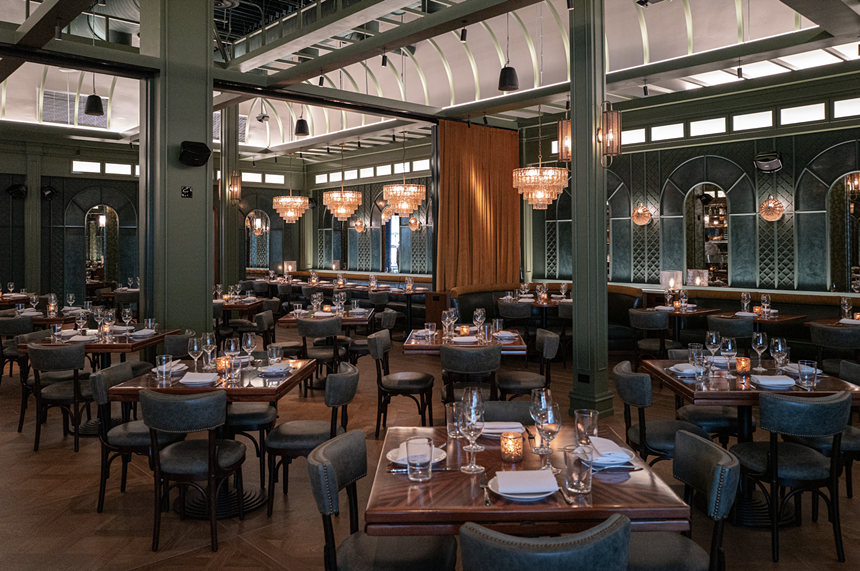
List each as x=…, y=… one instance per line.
x=415, y=345
x=351, y=319
x=451, y=498
x=778, y=319
x=678, y=317
x=122, y=344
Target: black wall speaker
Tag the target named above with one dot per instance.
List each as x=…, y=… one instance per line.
x=312, y=203
x=48, y=192
x=768, y=161
x=194, y=154
x=17, y=191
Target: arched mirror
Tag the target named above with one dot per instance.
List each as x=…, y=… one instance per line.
x=257, y=240
x=706, y=223
x=101, y=226
x=843, y=212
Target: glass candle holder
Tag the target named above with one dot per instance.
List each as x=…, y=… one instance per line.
x=512, y=447
x=742, y=364
x=222, y=364
x=856, y=315
x=327, y=308
x=464, y=330
x=408, y=287
x=676, y=304
x=52, y=310
x=757, y=310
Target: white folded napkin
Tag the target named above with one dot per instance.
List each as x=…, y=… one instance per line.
x=82, y=338
x=91, y=332
x=199, y=378
x=122, y=328
x=250, y=299
x=143, y=332
x=691, y=306
x=421, y=289
x=134, y=289
x=28, y=312
x=525, y=300
x=260, y=280
x=323, y=314
x=358, y=310
x=664, y=308
x=175, y=367
x=504, y=335
x=466, y=340
x=684, y=369
x=71, y=308
x=565, y=300
x=794, y=368
x=847, y=321
x=68, y=332
x=529, y=295
x=557, y=296
x=745, y=314
x=526, y=482
x=772, y=380
x=217, y=301
x=278, y=368
x=500, y=427
x=243, y=358
x=605, y=448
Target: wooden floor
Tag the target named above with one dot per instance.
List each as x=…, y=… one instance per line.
x=48, y=516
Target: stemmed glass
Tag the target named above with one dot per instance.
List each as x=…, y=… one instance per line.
x=682, y=296
x=478, y=317
x=765, y=305
x=728, y=349
x=455, y=315
x=447, y=322
x=846, y=305
x=778, y=349
x=524, y=289
x=34, y=300
x=129, y=281
x=126, y=317
x=759, y=344
x=712, y=342
x=99, y=316
x=745, y=300
x=471, y=425
x=209, y=345
x=109, y=318
x=218, y=289
x=249, y=343
x=541, y=398
x=195, y=349
x=563, y=289
x=232, y=348
x=70, y=297
x=81, y=321
x=548, y=426
x=668, y=295
x=473, y=399
x=11, y=287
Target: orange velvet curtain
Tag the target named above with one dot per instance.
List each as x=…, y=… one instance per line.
x=479, y=209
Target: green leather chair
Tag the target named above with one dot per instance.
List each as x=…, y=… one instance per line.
x=519, y=383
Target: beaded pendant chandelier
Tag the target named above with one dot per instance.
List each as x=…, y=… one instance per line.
x=342, y=203
x=404, y=198
x=540, y=185
x=291, y=208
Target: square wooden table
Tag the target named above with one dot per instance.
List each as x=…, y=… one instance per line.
x=451, y=498
x=250, y=309
x=122, y=344
x=360, y=319
x=677, y=317
x=430, y=345
x=777, y=319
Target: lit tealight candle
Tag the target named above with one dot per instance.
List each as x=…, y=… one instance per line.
x=698, y=280
x=512, y=447
x=464, y=330
x=857, y=316
x=676, y=304
x=327, y=308
x=52, y=309
x=222, y=364
x=408, y=287
x=225, y=297
x=742, y=364
x=757, y=310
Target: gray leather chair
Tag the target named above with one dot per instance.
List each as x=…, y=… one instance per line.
x=245, y=285
x=358, y=347
x=603, y=547
x=263, y=325
x=307, y=293
x=508, y=411
x=827, y=337
x=27, y=380
x=642, y=322
x=517, y=383
x=177, y=345
x=210, y=460
x=221, y=330
x=261, y=289
x=72, y=397
x=705, y=468
x=285, y=293
x=793, y=466
x=124, y=300
x=388, y=384
x=740, y=329
x=10, y=328
x=517, y=316
x=297, y=438
x=340, y=463
x=473, y=366
x=656, y=437
x=246, y=417
x=124, y=439
x=326, y=355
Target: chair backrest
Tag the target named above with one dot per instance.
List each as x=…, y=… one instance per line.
x=340, y=387
x=604, y=547
x=633, y=389
x=388, y=318
x=183, y=413
x=332, y=466
x=679, y=354
x=218, y=311
x=125, y=297
x=285, y=289
x=245, y=285
x=42, y=302
x=709, y=469
x=648, y=320
x=849, y=372
x=272, y=304
x=834, y=337
x=546, y=342
x=329, y=327
x=265, y=320
x=13, y=326
x=107, y=378
x=27, y=338
x=57, y=357
x=378, y=298
x=176, y=345
x=348, y=293
x=565, y=310
x=508, y=411
x=731, y=327
x=379, y=344
x=471, y=360
x=261, y=287
x=514, y=309
x=805, y=416
x=308, y=291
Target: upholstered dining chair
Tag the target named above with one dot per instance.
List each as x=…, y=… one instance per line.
x=328, y=356
x=740, y=329
x=294, y=439
x=27, y=380
x=828, y=338
x=285, y=293
x=508, y=411
x=705, y=468
x=209, y=460
x=517, y=316
x=793, y=467
x=10, y=328
x=656, y=437
x=603, y=547
x=177, y=345
x=518, y=383
x=246, y=417
x=263, y=325
x=339, y=463
x=124, y=300
x=72, y=397
x=261, y=289
x=221, y=330
x=245, y=286
x=388, y=384
x=465, y=366
x=358, y=348
x=643, y=321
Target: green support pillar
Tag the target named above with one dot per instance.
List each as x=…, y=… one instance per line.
x=176, y=231
x=33, y=222
x=588, y=178
x=232, y=254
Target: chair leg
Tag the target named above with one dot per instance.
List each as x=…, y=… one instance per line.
x=798, y=510
x=422, y=409
x=126, y=458
x=286, y=473
x=430, y=406
x=241, y=491
x=774, y=521
x=212, y=490
x=76, y=418
x=263, y=459
x=25, y=396
x=103, y=479
x=40, y=414
x=837, y=526
x=378, y=413
x=271, y=491
x=815, y=499
x=182, y=490
x=849, y=484
x=157, y=520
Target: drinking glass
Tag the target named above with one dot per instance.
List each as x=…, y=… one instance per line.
x=55, y=331
x=149, y=323
x=471, y=424
x=586, y=425
x=745, y=301
x=473, y=400
x=806, y=371
x=548, y=426
x=218, y=289
x=81, y=321
x=138, y=282
x=728, y=349
x=130, y=282
x=524, y=289
x=34, y=300
x=209, y=345
x=712, y=341
x=126, y=316
x=682, y=295
x=452, y=415
x=99, y=316
x=668, y=295
x=455, y=314
x=765, y=305
x=70, y=297
x=11, y=287
x=232, y=347
x=694, y=352
x=540, y=399
x=778, y=350
x=163, y=367
x=577, y=468
x=478, y=317
x=249, y=342
x=759, y=344
x=19, y=308
x=419, y=459
x=846, y=305
x=563, y=289
x=273, y=354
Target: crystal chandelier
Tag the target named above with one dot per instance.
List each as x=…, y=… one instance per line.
x=342, y=203
x=387, y=212
x=852, y=185
x=404, y=198
x=540, y=185
x=291, y=208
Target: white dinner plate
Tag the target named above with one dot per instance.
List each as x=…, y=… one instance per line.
x=466, y=340
x=438, y=456
x=494, y=487
x=773, y=387
x=612, y=460
x=505, y=335
x=684, y=370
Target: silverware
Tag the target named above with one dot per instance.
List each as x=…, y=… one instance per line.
x=531, y=437
x=484, y=483
x=433, y=469
x=618, y=469
x=565, y=495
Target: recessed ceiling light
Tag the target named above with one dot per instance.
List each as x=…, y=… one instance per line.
x=807, y=60
x=763, y=69
x=716, y=77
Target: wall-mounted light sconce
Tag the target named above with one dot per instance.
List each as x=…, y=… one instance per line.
x=234, y=188
x=359, y=226
x=641, y=215
x=771, y=209
x=414, y=224
x=609, y=134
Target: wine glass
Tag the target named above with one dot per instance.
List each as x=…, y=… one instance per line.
x=745, y=300
x=81, y=321
x=34, y=300
x=682, y=295
x=668, y=295
x=478, y=317
x=765, y=305
x=473, y=399
x=218, y=289
x=70, y=298
x=209, y=345
x=10, y=286
x=455, y=314
x=126, y=316
x=712, y=341
x=138, y=282
x=249, y=342
x=846, y=305
x=541, y=398
x=778, y=349
x=232, y=347
x=99, y=316
x=109, y=319
x=195, y=349
x=524, y=289
x=548, y=426
x=471, y=425
x=728, y=349
x=563, y=289
x=130, y=282
x=759, y=344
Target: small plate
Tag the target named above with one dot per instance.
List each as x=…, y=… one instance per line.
x=494, y=487
x=438, y=456
x=465, y=340
x=793, y=369
x=505, y=335
x=687, y=371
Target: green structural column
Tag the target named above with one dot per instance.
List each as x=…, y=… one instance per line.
x=33, y=222
x=176, y=201
x=590, y=384
x=231, y=248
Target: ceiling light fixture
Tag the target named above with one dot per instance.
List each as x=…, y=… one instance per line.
x=463, y=35
x=570, y=4
x=58, y=31
x=645, y=88
x=414, y=224
x=102, y=3
x=384, y=60
x=540, y=185
x=565, y=143
x=291, y=208
x=342, y=203
x=322, y=80
x=508, y=80
x=302, y=128
x=609, y=134
x=359, y=226
x=94, y=105
x=404, y=198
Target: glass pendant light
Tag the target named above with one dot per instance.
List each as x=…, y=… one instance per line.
x=342, y=203
x=540, y=185
x=291, y=208
x=404, y=198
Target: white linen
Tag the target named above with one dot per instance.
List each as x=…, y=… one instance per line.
x=664, y=308
x=175, y=367
x=526, y=482
x=82, y=338
x=847, y=321
x=198, y=378
x=745, y=314
x=323, y=314
x=277, y=368
x=772, y=380
x=608, y=450
x=500, y=427
x=466, y=340
x=143, y=333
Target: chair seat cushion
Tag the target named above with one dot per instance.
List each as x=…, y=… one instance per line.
x=192, y=456
x=831, y=366
x=711, y=418
x=665, y=551
x=653, y=345
x=519, y=380
x=407, y=381
x=796, y=461
x=56, y=377
x=300, y=435
x=10, y=351
x=325, y=353
x=234, y=323
x=65, y=391
x=824, y=444
x=361, y=552
x=250, y=415
x=249, y=328
x=136, y=433
x=661, y=433
x=342, y=340
x=140, y=368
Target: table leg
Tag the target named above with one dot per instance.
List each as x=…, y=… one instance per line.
x=104, y=358
x=408, y=314
x=676, y=334
x=543, y=318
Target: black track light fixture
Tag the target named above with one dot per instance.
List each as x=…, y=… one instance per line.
x=570, y=4
x=322, y=80
x=102, y=3
x=94, y=105
x=508, y=80
x=463, y=35
x=58, y=31
x=485, y=120
x=302, y=128
x=384, y=60
x=359, y=143
x=328, y=151
x=645, y=89
x=393, y=138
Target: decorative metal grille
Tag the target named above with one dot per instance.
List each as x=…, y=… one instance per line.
x=551, y=249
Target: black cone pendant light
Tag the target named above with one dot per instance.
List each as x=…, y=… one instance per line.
x=94, y=103
x=302, y=128
x=508, y=80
